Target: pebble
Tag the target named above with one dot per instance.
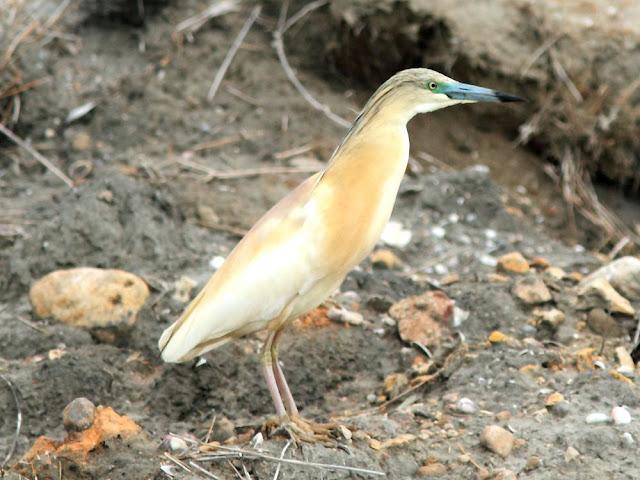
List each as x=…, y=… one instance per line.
x=182, y=289
x=216, y=262
x=81, y=141
x=532, y=291
x=620, y=416
x=625, y=360
x=459, y=316
x=395, y=235
x=345, y=316
x=438, y=232
x=552, y=318
x=487, y=260
x=257, y=440
x=90, y=298
x=553, y=399
x=533, y=462
x=504, y=474
x=560, y=409
x=78, y=415
x=623, y=274
x=432, y=470
x=513, y=262
x=385, y=258
x=555, y=273
x=176, y=444
x=628, y=440
x=597, y=417
x=497, y=439
x=571, y=454
x=503, y=415
x=466, y=405
x=379, y=303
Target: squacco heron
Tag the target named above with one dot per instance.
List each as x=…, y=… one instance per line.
x=299, y=252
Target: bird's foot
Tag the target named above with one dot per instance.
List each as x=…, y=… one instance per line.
x=302, y=430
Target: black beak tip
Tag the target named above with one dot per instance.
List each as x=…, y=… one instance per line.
x=507, y=97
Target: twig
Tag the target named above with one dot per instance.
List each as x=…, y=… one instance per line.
x=214, y=10
x=326, y=466
x=50, y=166
x=16, y=399
x=278, y=44
x=202, y=470
x=180, y=463
x=292, y=152
x=217, y=143
x=284, y=450
x=538, y=52
x=243, y=96
x=636, y=335
x=243, y=173
x=308, y=8
x=213, y=422
x=564, y=76
x=232, y=52
x=239, y=232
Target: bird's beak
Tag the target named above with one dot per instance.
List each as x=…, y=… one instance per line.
x=471, y=93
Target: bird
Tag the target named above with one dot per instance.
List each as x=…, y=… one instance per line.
x=300, y=251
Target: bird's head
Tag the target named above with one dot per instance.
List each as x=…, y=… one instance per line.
x=427, y=90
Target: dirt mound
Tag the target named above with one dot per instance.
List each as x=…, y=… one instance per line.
x=114, y=222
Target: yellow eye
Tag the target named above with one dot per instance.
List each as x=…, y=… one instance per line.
x=433, y=85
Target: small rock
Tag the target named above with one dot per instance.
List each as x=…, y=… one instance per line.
x=533, y=462
x=555, y=273
x=388, y=321
x=432, y=470
x=599, y=290
x=532, y=291
x=628, y=440
x=216, y=262
x=182, y=289
x=78, y=415
x=257, y=440
x=223, y=429
x=438, y=232
x=349, y=299
x=90, y=298
x=551, y=318
x=176, y=444
x=81, y=141
x=384, y=258
x=504, y=474
x=394, y=384
x=602, y=323
x=345, y=432
x=623, y=274
x=553, y=399
x=503, y=415
x=466, y=405
x=513, y=262
x=571, y=454
x=597, y=417
x=540, y=262
x=345, y=316
x=625, y=360
x=421, y=318
x=459, y=316
x=395, y=235
x=497, y=439
x=620, y=416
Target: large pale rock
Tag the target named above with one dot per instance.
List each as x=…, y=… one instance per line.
x=599, y=292
x=89, y=298
x=497, y=439
x=532, y=291
x=421, y=318
x=623, y=274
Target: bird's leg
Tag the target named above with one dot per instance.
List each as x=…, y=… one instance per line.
x=269, y=375
x=283, y=387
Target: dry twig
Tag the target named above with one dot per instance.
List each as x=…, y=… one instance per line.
x=242, y=453
x=48, y=165
x=232, y=52
x=212, y=174
x=216, y=9
x=14, y=444
x=278, y=44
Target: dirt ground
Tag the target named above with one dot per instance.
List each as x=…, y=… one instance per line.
x=150, y=141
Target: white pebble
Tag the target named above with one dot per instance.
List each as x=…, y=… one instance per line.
x=345, y=316
x=597, y=417
x=626, y=370
x=440, y=269
x=257, y=440
x=490, y=233
x=388, y=321
x=466, y=405
x=620, y=416
x=216, y=262
x=628, y=440
x=177, y=444
x=599, y=364
x=395, y=235
x=438, y=232
x=488, y=260
x=459, y=316
x=454, y=218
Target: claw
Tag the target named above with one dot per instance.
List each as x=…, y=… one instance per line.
x=300, y=429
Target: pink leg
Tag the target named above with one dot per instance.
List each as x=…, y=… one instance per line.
x=269, y=375
x=283, y=387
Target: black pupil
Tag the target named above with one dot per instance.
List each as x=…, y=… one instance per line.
x=432, y=86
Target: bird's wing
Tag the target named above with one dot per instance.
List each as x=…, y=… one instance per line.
x=268, y=268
